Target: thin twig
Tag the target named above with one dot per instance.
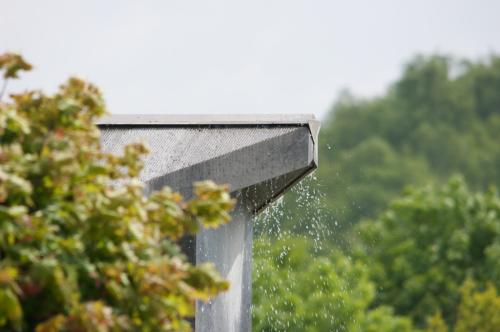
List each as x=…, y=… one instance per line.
x=4, y=88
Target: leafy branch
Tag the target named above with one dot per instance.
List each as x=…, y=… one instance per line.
x=11, y=64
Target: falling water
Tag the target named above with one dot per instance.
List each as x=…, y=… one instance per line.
x=301, y=212
x=302, y=216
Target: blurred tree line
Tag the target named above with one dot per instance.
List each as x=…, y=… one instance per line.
x=440, y=118
x=409, y=246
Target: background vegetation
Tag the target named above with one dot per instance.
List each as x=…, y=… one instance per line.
x=401, y=232
x=394, y=258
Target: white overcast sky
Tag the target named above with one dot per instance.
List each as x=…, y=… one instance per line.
x=230, y=56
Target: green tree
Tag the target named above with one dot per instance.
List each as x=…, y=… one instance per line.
x=477, y=311
x=427, y=244
x=81, y=247
x=295, y=292
x=441, y=117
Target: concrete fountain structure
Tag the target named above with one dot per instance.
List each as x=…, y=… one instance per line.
x=259, y=156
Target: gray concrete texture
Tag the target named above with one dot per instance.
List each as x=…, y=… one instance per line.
x=260, y=157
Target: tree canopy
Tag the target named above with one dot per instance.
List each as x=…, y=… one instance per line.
x=384, y=206
x=429, y=242
x=328, y=293
x=429, y=262
x=442, y=117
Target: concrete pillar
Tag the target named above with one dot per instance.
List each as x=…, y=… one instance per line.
x=230, y=248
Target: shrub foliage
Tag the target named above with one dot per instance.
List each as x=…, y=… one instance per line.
x=81, y=247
